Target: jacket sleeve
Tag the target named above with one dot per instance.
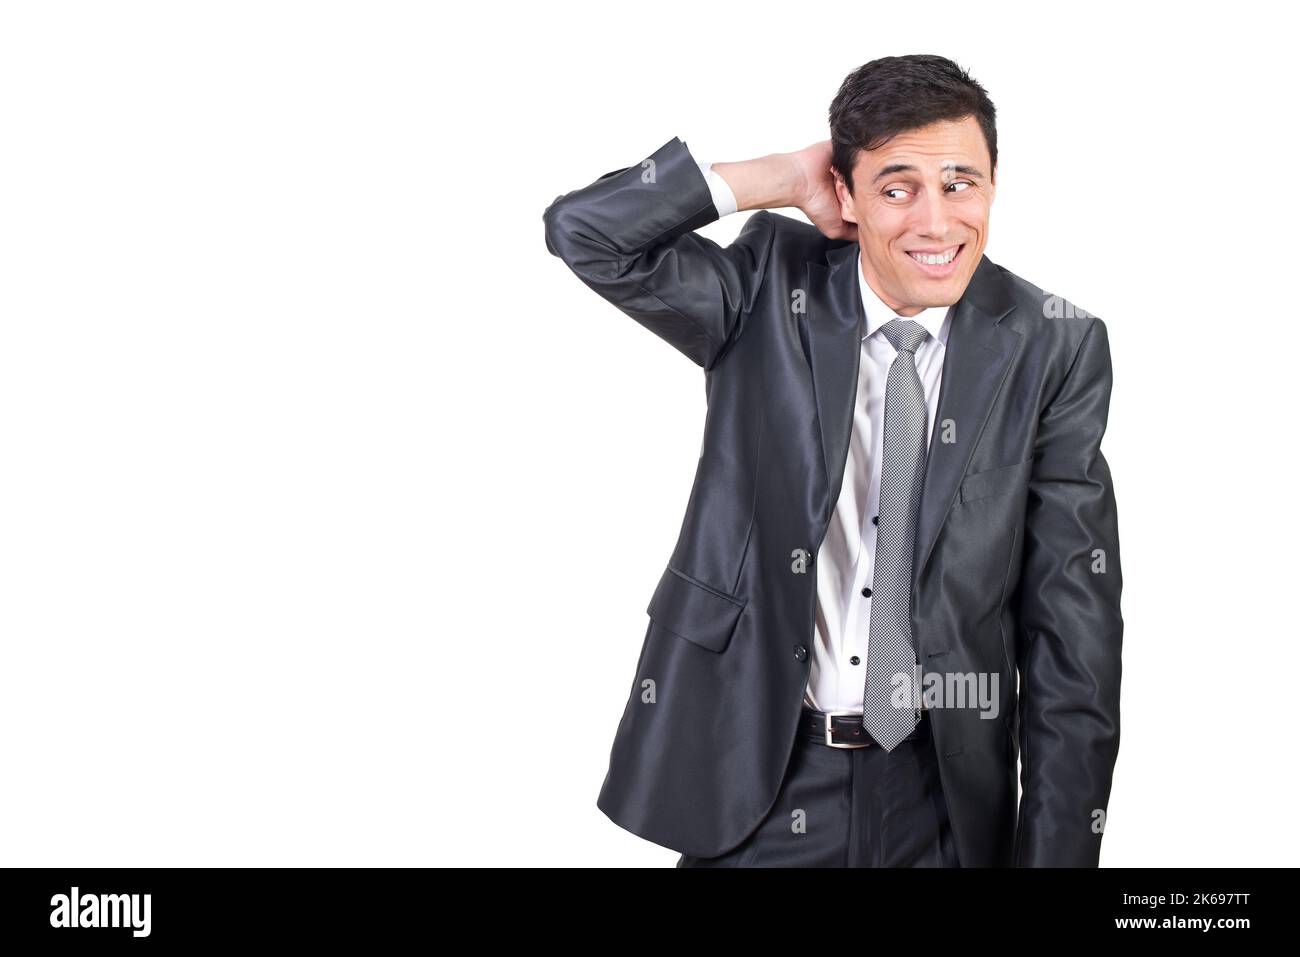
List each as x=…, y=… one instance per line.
x=1071, y=629
x=629, y=236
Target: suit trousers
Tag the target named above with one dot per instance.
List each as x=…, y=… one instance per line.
x=852, y=807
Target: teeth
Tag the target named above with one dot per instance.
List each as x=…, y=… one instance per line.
x=936, y=259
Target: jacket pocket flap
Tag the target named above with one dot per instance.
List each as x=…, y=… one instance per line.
x=992, y=482
x=694, y=611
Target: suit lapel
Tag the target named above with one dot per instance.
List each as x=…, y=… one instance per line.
x=976, y=360
x=836, y=324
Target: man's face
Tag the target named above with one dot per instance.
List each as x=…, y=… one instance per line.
x=923, y=195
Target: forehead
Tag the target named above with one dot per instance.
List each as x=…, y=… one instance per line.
x=929, y=148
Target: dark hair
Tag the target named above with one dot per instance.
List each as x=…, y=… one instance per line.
x=894, y=94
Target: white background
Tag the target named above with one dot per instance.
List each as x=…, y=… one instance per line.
x=330, y=503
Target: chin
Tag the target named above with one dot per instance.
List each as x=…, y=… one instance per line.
x=930, y=296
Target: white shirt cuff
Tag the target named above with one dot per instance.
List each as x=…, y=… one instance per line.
x=723, y=198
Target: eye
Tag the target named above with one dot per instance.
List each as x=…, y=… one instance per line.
x=963, y=183
x=894, y=189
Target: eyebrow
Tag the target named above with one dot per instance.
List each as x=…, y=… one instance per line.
x=909, y=168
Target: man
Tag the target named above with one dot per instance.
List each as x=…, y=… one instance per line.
x=901, y=504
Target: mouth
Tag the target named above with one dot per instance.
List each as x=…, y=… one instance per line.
x=937, y=262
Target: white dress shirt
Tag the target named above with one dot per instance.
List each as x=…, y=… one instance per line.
x=847, y=558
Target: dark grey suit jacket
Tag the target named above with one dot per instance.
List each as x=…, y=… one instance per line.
x=1016, y=559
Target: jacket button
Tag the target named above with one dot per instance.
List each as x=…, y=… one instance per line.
x=866, y=593
x=875, y=519
x=800, y=652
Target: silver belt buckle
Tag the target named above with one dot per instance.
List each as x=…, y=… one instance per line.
x=833, y=744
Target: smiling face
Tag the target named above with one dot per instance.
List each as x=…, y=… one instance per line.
x=921, y=204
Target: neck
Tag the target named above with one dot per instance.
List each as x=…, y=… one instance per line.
x=899, y=309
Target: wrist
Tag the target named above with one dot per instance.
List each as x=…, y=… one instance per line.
x=769, y=182
x=798, y=186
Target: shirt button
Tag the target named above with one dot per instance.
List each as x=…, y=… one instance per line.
x=855, y=660
x=866, y=593
x=800, y=652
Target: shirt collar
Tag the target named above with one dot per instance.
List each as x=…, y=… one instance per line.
x=936, y=319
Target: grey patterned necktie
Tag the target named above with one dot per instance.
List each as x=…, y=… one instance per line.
x=890, y=651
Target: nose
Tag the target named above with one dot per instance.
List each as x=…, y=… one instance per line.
x=932, y=219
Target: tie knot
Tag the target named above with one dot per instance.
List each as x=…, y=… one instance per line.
x=905, y=334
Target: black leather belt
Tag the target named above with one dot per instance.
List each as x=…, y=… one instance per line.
x=843, y=729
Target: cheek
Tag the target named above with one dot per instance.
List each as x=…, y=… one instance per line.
x=978, y=223
x=880, y=250
x=883, y=229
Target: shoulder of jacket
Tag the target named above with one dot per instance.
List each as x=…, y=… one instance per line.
x=1043, y=315
x=794, y=238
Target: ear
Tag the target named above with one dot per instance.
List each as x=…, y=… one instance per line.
x=993, y=184
x=846, y=199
